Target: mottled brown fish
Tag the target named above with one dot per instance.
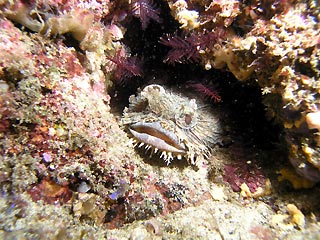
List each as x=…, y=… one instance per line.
x=171, y=125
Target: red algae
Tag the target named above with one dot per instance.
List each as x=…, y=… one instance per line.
x=248, y=173
x=50, y=192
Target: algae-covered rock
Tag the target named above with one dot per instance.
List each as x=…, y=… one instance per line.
x=69, y=171
x=274, y=44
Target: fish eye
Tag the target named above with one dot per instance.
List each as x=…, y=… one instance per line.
x=186, y=120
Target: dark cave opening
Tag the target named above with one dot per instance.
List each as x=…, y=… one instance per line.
x=242, y=100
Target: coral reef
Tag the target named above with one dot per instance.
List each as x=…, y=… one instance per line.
x=68, y=166
x=277, y=44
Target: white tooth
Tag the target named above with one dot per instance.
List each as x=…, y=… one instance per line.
x=141, y=144
x=192, y=158
x=179, y=157
x=163, y=154
x=168, y=161
x=155, y=150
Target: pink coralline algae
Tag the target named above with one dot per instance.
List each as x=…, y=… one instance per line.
x=50, y=192
x=188, y=48
x=208, y=92
x=125, y=66
x=238, y=173
x=145, y=10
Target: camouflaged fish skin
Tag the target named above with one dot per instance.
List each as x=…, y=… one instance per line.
x=171, y=125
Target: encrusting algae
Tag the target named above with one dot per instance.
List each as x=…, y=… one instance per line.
x=68, y=171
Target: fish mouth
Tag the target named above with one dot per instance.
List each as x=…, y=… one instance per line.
x=154, y=135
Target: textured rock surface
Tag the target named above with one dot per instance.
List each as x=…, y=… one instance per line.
x=279, y=49
x=69, y=171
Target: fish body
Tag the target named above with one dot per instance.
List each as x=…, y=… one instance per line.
x=170, y=125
